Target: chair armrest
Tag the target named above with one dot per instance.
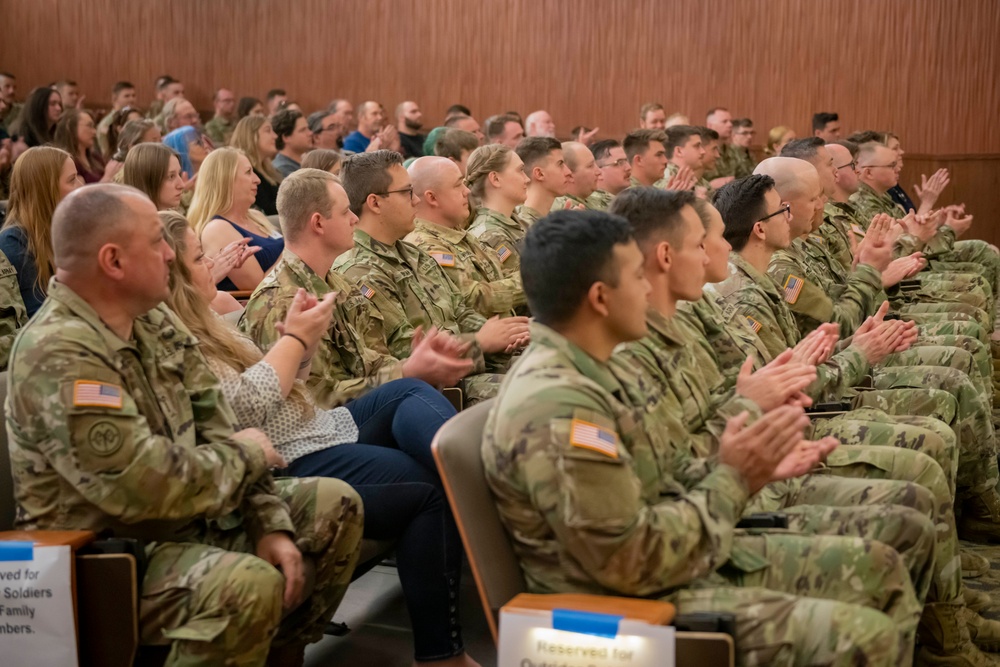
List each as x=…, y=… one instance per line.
x=50, y=538
x=654, y=612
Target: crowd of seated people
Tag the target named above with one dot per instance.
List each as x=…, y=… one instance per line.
x=259, y=315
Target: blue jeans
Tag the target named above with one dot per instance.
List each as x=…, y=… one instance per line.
x=395, y=476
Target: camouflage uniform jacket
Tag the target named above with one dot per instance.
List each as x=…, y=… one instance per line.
x=352, y=356
x=527, y=215
x=219, y=130
x=868, y=204
x=408, y=289
x=503, y=236
x=728, y=342
x=839, y=229
x=13, y=314
x=580, y=488
x=702, y=182
x=660, y=183
x=733, y=161
x=600, y=200
x=575, y=202
x=132, y=437
x=474, y=269
x=797, y=270
x=686, y=371
x=758, y=299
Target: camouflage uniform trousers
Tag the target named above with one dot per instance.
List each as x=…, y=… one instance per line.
x=823, y=600
x=219, y=604
x=949, y=396
x=479, y=387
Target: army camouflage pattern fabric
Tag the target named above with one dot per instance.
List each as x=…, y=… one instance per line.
x=352, y=356
x=99, y=425
x=732, y=161
x=606, y=519
x=474, y=270
x=13, y=314
x=502, y=235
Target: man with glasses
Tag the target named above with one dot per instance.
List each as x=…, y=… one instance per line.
x=614, y=166
x=221, y=127
x=742, y=139
x=326, y=131
x=407, y=287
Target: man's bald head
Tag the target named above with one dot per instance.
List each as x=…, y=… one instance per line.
x=430, y=172
x=90, y=217
x=792, y=176
x=574, y=153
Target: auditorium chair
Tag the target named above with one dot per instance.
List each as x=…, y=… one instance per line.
x=497, y=574
x=106, y=573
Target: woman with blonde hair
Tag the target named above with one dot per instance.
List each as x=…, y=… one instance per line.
x=221, y=213
x=777, y=138
x=41, y=178
x=76, y=133
x=156, y=170
x=378, y=443
x=256, y=138
x=497, y=185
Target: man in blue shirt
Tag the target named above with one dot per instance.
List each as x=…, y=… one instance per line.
x=371, y=118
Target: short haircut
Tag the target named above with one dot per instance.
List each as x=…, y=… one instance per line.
x=283, y=123
x=867, y=137
x=637, y=141
x=741, y=204
x=164, y=81
x=301, y=194
x=563, y=255
x=654, y=214
x=452, y=142
x=678, y=136
x=804, y=149
x=742, y=122
x=454, y=120
x=315, y=121
x=602, y=148
x=849, y=145
x=367, y=173
x=866, y=152
x=120, y=86
x=87, y=219
x=648, y=107
x=497, y=125
x=711, y=112
x=533, y=150
x=275, y=92
x=707, y=133
x=457, y=109
x=822, y=118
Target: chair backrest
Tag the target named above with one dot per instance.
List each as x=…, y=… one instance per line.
x=7, y=504
x=494, y=566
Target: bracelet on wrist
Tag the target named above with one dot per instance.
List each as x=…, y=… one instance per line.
x=298, y=338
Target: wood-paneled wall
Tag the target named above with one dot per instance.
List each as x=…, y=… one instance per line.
x=975, y=181
x=927, y=69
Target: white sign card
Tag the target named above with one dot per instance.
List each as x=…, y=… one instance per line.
x=36, y=606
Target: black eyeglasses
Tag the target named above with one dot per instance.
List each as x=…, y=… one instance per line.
x=617, y=163
x=408, y=191
x=852, y=164
x=785, y=208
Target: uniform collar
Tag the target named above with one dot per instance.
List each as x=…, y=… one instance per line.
x=498, y=217
x=593, y=369
x=449, y=235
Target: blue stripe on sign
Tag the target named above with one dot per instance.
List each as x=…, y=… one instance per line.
x=585, y=622
x=17, y=551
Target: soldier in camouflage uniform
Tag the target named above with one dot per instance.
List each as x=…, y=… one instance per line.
x=353, y=355
x=545, y=165
x=13, y=314
x=647, y=157
x=669, y=374
x=406, y=285
x=438, y=230
x=751, y=294
x=686, y=148
x=563, y=439
x=582, y=192
x=117, y=425
x=498, y=185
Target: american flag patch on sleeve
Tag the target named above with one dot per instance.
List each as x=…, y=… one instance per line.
x=793, y=286
x=443, y=258
x=367, y=291
x=754, y=324
x=591, y=436
x=96, y=394
x=503, y=252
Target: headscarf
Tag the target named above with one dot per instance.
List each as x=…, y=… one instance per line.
x=179, y=140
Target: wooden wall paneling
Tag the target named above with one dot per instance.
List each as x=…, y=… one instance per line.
x=975, y=181
x=924, y=68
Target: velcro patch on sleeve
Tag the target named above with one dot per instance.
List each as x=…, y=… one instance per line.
x=367, y=291
x=503, y=252
x=754, y=324
x=89, y=393
x=792, y=288
x=443, y=258
x=593, y=437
